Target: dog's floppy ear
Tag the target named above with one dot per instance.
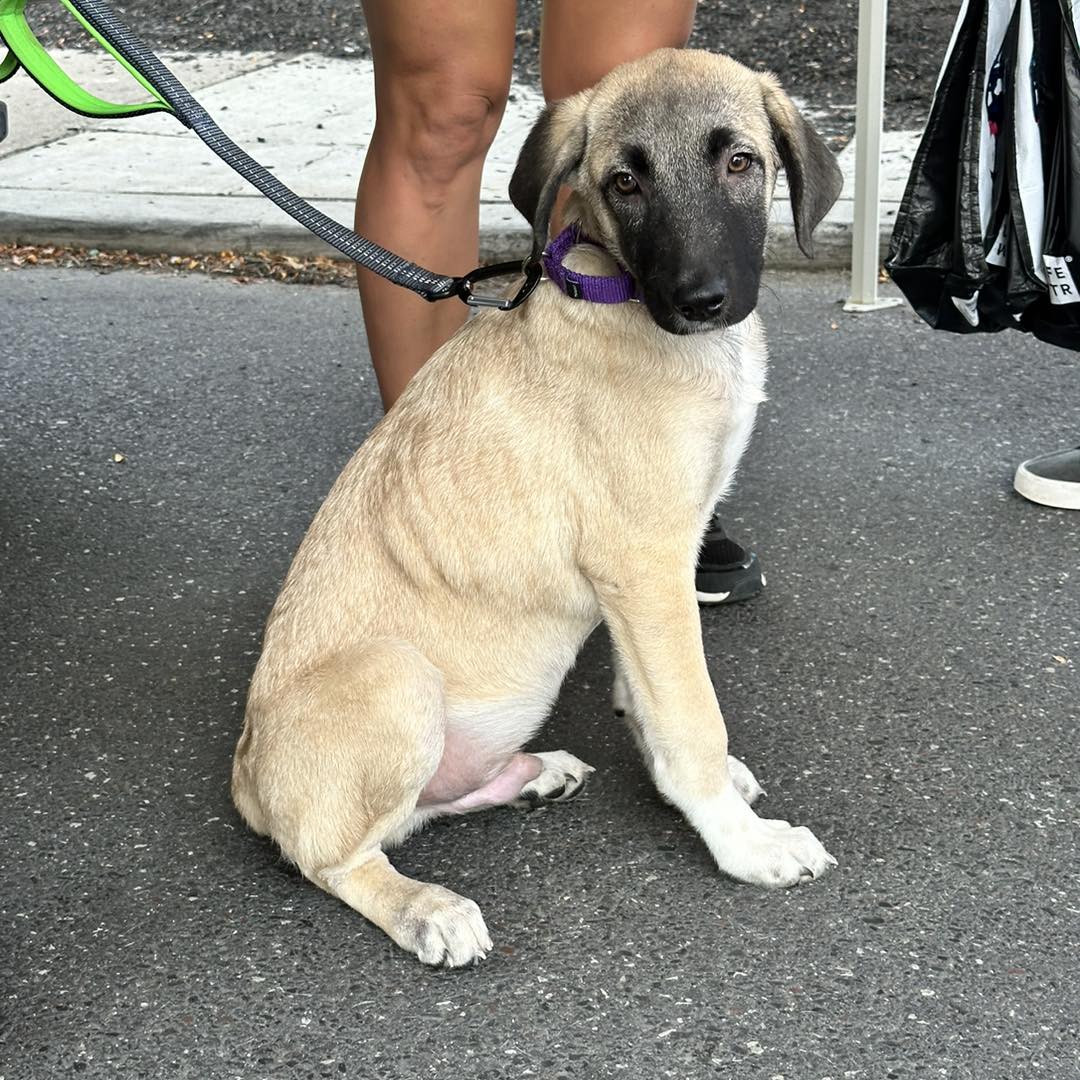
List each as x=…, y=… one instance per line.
x=813, y=177
x=554, y=149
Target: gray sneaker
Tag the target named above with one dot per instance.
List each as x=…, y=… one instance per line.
x=1053, y=479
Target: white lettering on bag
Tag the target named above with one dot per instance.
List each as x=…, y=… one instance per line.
x=1059, y=280
x=999, y=252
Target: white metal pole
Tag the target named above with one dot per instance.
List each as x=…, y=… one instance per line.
x=869, y=107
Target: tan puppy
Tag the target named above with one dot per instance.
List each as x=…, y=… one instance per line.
x=548, y=468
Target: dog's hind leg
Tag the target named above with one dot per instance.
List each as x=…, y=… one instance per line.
x=562, y=776
x=434, y=923
x=338, y=760
x=528, y=780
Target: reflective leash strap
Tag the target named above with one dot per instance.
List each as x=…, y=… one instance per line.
x=106, y=27
x=172, y=96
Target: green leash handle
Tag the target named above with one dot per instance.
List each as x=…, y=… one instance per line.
x=25, y=51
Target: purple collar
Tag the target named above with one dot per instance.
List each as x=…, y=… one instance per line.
x=600, y=289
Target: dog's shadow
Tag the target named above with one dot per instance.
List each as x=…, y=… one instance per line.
x=582, y=721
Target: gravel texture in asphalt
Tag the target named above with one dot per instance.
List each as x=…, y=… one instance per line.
x=906, y=685
x=810, y=44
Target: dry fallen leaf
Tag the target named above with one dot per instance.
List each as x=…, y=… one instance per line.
x=265, y=265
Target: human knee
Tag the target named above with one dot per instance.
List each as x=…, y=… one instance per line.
x=441, y=129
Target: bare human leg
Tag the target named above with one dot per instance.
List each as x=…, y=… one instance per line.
x=442, y=73
x=581, y=43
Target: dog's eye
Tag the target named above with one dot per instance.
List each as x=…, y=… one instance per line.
x=625, y=184
x=739, y=163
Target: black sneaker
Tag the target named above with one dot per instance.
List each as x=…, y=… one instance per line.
x=726, y=572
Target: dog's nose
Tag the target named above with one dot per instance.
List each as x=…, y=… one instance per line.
x=700, y=300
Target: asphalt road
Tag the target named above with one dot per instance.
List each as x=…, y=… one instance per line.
x=907, y=685
x=810, y=44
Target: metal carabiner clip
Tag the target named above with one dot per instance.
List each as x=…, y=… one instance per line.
x=533, y=270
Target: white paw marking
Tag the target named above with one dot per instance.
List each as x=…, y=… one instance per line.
x=759, y=850
x=562, y=777
x=442, y=928
x=744, y=780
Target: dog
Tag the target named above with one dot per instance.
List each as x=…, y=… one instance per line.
x=548, y=468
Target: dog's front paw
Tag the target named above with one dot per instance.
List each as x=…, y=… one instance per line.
x=762, y=851
x=442, y=928
x=781, y=854
x=562, y=777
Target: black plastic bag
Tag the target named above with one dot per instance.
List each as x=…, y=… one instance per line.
x=936, y=255
x=1001, y=155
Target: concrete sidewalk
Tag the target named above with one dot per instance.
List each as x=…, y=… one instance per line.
x=148, y=184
